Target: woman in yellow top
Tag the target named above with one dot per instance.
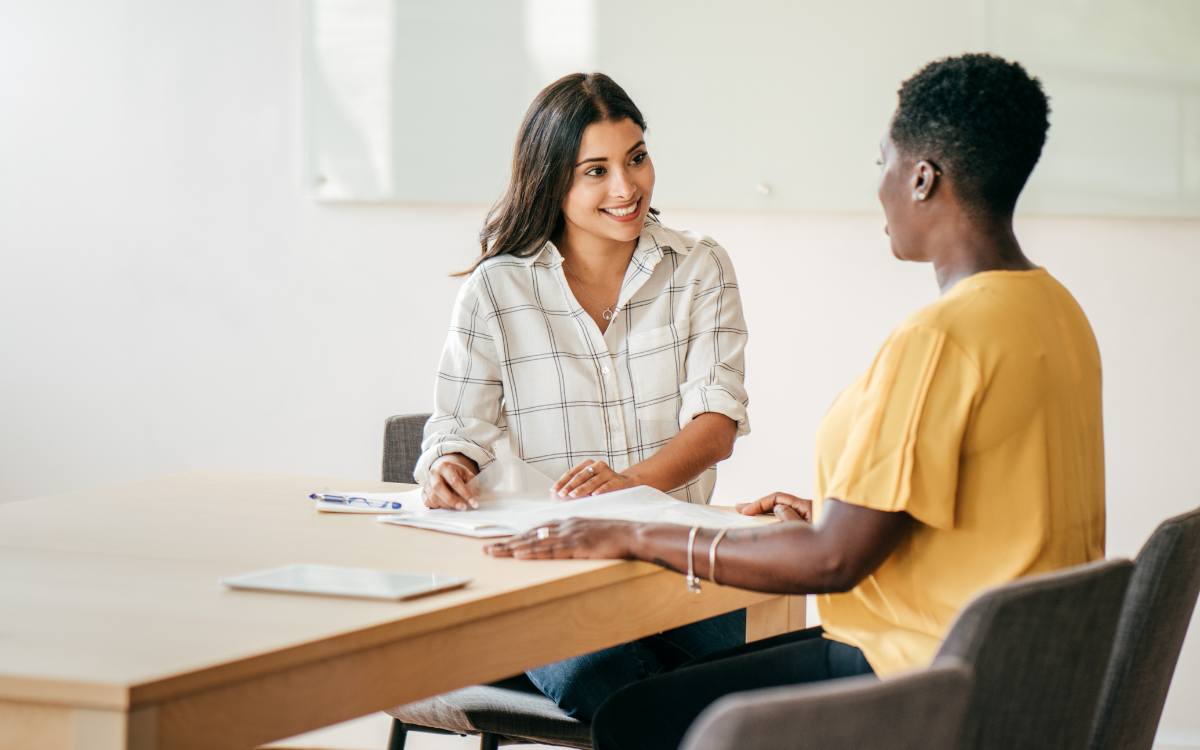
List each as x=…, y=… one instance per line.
x=969, y=454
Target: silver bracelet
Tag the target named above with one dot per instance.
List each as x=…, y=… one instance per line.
x=693, y=583
x=712, y=555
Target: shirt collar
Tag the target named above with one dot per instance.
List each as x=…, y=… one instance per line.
x=654, y=240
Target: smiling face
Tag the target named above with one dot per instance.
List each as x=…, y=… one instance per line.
x=612, y=183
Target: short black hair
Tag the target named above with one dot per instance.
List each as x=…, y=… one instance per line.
x=981, y=119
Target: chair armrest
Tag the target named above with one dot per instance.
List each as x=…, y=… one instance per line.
x=922, y=710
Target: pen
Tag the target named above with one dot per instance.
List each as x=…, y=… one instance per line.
x=355, y=500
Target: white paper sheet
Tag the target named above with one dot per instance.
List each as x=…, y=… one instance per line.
x=507, y=517
x=514, y=497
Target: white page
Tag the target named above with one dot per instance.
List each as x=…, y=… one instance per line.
x=514, y=497
x=514, y=515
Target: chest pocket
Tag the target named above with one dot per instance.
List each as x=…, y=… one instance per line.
x=655, y=367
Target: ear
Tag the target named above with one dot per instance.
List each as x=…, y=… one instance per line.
x=924, y=180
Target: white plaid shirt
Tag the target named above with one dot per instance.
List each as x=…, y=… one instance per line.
x=523, y=358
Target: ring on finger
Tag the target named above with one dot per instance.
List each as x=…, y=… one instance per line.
x=591, y=469
x=543, y=532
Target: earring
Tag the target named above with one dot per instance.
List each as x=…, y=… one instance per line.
x=919, y=196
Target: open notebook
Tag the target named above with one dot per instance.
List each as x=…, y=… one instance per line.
x=508, y=516
x=515, y=497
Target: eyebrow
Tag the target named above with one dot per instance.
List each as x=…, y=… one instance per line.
x=605, y=158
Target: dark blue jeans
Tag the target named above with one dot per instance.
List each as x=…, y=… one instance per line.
x=580, y=684
x=656, y=712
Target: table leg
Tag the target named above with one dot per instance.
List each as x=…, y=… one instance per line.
x=782, y=614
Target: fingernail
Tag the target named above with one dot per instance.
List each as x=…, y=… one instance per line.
x=474, y=503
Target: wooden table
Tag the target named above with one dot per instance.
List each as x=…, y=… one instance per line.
x=115, y=633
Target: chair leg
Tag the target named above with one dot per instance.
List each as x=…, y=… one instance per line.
x=488, y=741
x=398, y=735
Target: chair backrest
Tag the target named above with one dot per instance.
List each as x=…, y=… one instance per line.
x=1154, y=620
x=402, y=446
x=918, y=711
x=1038, y=647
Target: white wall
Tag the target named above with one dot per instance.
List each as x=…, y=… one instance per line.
x=171, y=299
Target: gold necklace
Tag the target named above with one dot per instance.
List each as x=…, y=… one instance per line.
x=609, y=312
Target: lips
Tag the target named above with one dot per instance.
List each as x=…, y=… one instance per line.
x=627, y=212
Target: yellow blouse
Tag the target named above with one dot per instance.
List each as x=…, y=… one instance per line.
x=980, y=418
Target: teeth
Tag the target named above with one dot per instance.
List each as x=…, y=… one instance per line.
x=622, y=211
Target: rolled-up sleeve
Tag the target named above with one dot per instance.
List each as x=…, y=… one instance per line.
x=468, y=416
x=715, y=366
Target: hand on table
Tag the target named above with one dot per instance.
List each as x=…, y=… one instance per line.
x=575, y=537
x=785, y=507
x=448, y=485
x=591, y=478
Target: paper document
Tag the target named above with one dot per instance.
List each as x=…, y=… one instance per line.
x=514, y=496
x=508, y=517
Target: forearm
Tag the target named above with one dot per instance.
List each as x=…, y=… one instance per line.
x=705, y=440
x=784, y=558
x=792, y=557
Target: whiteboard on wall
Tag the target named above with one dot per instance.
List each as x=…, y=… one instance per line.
x=751, y=104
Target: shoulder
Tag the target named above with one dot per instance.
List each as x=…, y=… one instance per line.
x=502, y=274
x=476, y=293
x=697, y=252
x=985, y=306
x=986, y=319
x=506, y=265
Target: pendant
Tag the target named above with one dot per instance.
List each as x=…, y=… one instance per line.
x=608, y=314
x=693, y=583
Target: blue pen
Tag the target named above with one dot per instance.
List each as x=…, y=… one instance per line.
x=354, y=500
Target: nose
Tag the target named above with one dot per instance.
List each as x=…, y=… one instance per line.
x=621, y=187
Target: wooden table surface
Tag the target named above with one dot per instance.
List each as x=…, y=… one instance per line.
x=115, y=632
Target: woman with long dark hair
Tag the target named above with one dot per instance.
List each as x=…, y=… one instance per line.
x=969, y=454
x=603, y=348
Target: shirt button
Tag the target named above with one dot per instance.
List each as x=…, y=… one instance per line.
x=605, y=370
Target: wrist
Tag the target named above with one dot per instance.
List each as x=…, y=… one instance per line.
x=639, y=475
x=455, y=458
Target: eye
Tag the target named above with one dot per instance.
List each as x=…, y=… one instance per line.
x=596, y=172
x=640, y=157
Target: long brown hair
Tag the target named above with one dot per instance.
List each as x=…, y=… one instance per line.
x=530, y=211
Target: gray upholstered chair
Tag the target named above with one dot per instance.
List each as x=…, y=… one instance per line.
x=1038, y=648
x=1158, y=607
x=506, y=712
x=402, y=436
